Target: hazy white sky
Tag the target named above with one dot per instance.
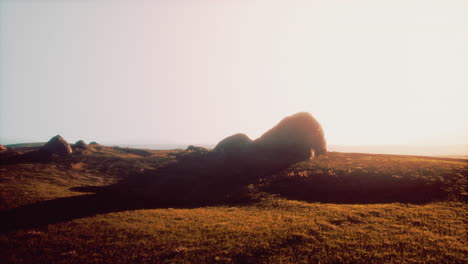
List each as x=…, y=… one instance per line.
x=372, y=72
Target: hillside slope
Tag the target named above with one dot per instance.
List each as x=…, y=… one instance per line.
x=340, y=208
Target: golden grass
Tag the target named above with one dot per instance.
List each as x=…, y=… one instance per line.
x=29, y=183
x=270, y=230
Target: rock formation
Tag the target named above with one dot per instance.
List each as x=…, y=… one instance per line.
x=295, y=138
x=3, y=148
x=234, y=146
x=298, y=137
x=196, y=149
x=192, y=153
x=58, y=146
x=80, y=145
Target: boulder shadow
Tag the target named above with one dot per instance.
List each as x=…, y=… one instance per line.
x=69, y=208
x=195, y=180
x=366, y=188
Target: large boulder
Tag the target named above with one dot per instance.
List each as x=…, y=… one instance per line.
x=58, y=146
x=234, y=146
x=3, y=148
x=295, y=138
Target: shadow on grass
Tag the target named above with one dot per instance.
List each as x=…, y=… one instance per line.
x=344, y=187
x=69, y=208
x=201, y=180
x=191, y=182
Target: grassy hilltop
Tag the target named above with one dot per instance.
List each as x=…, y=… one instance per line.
x=122, y=205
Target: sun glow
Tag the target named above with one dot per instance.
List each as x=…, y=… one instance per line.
x=372, y=72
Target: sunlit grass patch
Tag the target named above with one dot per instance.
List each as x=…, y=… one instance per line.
x=287, y=231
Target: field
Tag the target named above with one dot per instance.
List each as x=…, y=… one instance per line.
x=117, y=205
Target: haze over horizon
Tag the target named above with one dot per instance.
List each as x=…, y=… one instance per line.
x=194, y=72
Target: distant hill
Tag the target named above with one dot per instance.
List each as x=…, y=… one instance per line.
x=448, y=151
x=160, y=146
x=455, y=151
x=458, y=151
x=138, y=146
x=27, y=145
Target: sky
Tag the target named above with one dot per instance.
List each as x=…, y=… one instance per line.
x=371, y=72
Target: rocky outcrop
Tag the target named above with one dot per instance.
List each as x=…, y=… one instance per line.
x=192, y=153
x=80, y=145
x=298, y=137
x=3, y=148
x=234, y=146
x=295, y=138
x=196, y=149
x=57, y=146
